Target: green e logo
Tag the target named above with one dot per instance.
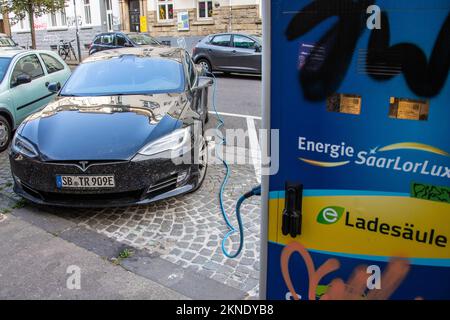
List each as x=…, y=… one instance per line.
x=330, y=215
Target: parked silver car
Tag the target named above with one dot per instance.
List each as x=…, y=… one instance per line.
x=229, y=52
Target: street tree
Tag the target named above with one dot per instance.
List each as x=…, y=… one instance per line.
x=31, y=8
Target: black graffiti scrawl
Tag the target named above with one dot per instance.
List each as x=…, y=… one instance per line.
x=424, y=77
x=321, y=79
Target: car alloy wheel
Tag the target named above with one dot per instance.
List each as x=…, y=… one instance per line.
x=205, y=65
x=5, y=133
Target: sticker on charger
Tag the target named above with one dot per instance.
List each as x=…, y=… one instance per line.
x=408, y=109
x=344, y=103
x=430, y=192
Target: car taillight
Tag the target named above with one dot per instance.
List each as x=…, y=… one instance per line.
x=194, y=50
x=90, y=45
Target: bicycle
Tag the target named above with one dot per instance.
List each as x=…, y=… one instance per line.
x=66, y=50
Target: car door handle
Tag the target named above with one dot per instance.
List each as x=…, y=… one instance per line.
x=234, y=51
x=210, y=50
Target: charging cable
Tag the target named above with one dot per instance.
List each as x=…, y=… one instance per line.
x=255, y=191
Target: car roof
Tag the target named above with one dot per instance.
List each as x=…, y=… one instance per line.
x=134, y=32
x=109, y=32
x=231, y=33
x=12, y=52
x=143, y=51
x=120, y=32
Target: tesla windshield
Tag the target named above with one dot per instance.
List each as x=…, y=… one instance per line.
x=125, y=75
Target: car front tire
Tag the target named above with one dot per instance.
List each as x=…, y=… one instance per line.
x=205, y=64
x=5, y=133
x=202, y=160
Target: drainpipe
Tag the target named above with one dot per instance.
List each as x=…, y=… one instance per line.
x=230, y=23
x=76, y=30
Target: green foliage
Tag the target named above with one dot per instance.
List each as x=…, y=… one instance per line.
x=126, y=253
x=39, y=7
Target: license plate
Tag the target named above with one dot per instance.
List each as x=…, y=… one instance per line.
x=85, y=181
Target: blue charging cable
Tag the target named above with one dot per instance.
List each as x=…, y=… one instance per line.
x=253, y=192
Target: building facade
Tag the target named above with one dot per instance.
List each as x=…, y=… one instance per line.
x=167, y=20
x=92, y=16
x=191, y=18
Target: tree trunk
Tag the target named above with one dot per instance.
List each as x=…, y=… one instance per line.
x=6, y=24
x=33, y=32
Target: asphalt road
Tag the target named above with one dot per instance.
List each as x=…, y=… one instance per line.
x=238, y=102
x=240, y=94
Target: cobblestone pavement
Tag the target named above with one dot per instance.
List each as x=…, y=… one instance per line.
x=186, y=230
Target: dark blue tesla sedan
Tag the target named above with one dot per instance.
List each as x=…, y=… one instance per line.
x=126, y=128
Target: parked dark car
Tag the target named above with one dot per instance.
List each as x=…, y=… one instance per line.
x=131, y=134
x=7, y=43
x=228, y=52
x=114, y=40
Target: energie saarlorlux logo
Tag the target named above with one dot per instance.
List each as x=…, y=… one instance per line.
x=330, y=215
x=343, y=154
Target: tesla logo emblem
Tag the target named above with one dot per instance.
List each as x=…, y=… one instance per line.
x=84, y=165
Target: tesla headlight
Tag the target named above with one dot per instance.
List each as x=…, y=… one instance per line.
x=24, y=147
x=173, y=141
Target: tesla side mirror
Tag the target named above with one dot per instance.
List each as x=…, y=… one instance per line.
x=22, y=79
x=258, y=48
x=54, y=87
x=204, y=82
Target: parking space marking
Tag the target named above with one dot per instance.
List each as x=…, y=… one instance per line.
x=255, y=150
x=236, y=115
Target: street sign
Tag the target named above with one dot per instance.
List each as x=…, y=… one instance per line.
x=143, y=24
x=359, y=91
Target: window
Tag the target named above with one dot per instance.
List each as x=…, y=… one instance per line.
x=28, y=65
x=53, y=22
x=24, y=24
x=51, y=63
x=165, y=10
x=205, y=9
x=143, y=39
x=4, y=65
x=121, y=40
x=127, y=75
x=107, y=39
x=87, y=12
x=243, y=42
x=63, y=18
x=58, y=19
x=222, y=40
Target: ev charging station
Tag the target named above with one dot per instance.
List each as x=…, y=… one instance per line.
x=360, y=94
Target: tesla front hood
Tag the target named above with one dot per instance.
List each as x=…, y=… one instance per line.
x=101, y=128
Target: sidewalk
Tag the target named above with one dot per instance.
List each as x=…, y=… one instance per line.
x=34, y=265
